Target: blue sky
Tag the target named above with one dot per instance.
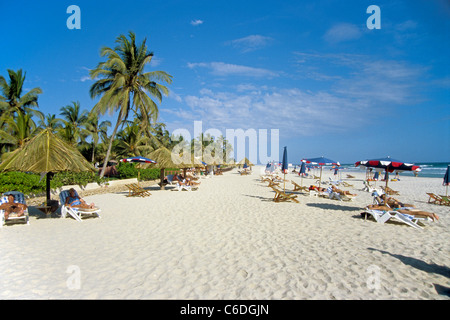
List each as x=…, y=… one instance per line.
x=311, y=69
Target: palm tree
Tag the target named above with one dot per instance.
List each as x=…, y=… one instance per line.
x=51, y=122
x=96, y=130
x=11, y=98
x=132, y=142
x=17, y=131
x=124, y=86
x=74, y=122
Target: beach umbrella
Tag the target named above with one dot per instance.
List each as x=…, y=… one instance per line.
x=376, y=176
x=46, y=153
x=284, y=167
x=321, y=161
x=164, y=160
x=138, y=160
x=302, y=172
x=446, y=182
x=245, y=161
x=388, y=165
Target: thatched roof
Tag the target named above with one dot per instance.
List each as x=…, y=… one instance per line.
x=163, y=157
x=245, y=160
x=46, y=153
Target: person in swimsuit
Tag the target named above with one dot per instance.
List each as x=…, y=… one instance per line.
x=343, y=192
x=413, y=212
x=13, y=207
x=394, y=203
x=74, y=201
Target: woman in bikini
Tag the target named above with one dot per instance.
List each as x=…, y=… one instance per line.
x=413, y=212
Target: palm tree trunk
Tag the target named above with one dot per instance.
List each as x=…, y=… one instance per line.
x=161, y=177
x=108, y=153
x=93, y=152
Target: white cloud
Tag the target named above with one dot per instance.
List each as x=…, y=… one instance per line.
x=342, y=32
x=250, y=43
x=196, y=22
x=85, y=78
x=226, y=69
x=353, y=91
x=289, y=110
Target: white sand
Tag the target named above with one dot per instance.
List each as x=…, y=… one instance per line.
x=229, y=240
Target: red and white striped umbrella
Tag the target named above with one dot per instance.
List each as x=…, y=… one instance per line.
x=389, y=165
x=138, y=159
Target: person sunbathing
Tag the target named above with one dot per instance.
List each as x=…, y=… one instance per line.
x=394, y=203
x=320, y=189
x=413, y=212
x=343, y=192
x=74, y=201
x=12, y=207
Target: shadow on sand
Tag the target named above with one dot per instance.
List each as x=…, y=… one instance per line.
x=421, y=265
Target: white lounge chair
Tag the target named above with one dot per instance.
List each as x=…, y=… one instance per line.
x=340, y=197
x=368, y=187
x=181, y=187
x=76, y=213
x=18, y=198
x=383, y=216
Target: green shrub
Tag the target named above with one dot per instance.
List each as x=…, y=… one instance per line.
x=126, y=170
x=27, y=183
x=30, y=183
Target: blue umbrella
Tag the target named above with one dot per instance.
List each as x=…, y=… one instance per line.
x=321, y=161
x=376, y=175
x=447, y=180
x=284, y=166
x=302, y=168
x=302, y=171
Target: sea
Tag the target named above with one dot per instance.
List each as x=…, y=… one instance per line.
x=429, y=169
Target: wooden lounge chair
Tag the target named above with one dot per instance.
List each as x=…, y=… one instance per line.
x=445, y=200
x=389, y=191
x=345, y=184
x=136, y=191
x=299, y=188
x=434, y=198
x=349, y=176
x=281, y=196
x=273, y=183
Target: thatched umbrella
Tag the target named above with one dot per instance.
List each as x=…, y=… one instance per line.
x=245, y=161
x=163, y=158
x=46, y=153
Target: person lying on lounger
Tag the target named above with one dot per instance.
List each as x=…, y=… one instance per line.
x=413, y=212
x=74, y=201
x=343, y=192
x=320, y=189
x=394, y=203
x=13, y=207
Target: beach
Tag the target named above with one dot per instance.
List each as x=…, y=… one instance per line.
x=230, y=240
